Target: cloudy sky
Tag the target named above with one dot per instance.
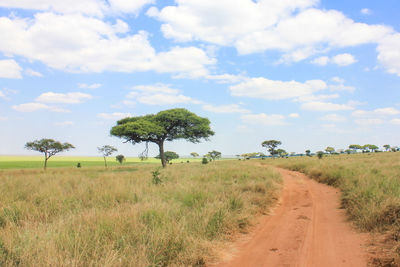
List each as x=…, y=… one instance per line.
x=309, y=73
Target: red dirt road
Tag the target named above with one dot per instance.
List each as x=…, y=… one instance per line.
x=307, y=228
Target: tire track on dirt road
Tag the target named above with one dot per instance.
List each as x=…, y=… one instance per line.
x=307, y=228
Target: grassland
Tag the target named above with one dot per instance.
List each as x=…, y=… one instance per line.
x=370, y=184
x=22, y=162
x=119, y=217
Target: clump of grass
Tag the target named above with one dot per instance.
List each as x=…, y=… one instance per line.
x=93, y=217
x=370, y=186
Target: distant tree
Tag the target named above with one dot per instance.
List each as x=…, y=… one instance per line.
x=167, y=125
x=194, y=154
x=308, y=153
x=204, y=160
x=120, y=158
x=394, y=149
x=106, y=151
x=355, y=147
x=169, y=155
x=348, y=151
x=370, y=147
x=387, y=147
x=330, y=150
x=281, y=152
x=271, y=146
x=49, y=147
x=214, y=154
x=320, y=154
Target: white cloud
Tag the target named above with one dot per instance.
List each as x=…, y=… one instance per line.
x=164, y=99
x=340, y=86
x=2, y=95
x=64, y=123
x=2, y=118
x=233, y=108
x=333, y=118
x=344, y=59
x=68, y=98
x=30, y=107
x=89, y=86
x=325, y=106
x=113, y=116
x=294, y=115
x=263, y=119
x=389, y=53
x=97, y=8
x=155, y=88
x=76, y=43
x=129, y=6
x=9, y=68
x=395, y=121
x=32, y=73
x=369, y=122
x=366, y=11
x=276, y=90
x=322, y=61
x=387, y=111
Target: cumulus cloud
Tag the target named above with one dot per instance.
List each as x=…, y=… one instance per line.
x=30, y=107
x=389, y=53
x=263, y=119
x=344, y=59
x=9, y=68
x=89, y=86
x=325, y=106
x=322, y=61
x=59, y=98
x=233, y=108
x=294, y=115
x=276, y=90
x=76, y=43
x=113, y=116
x=32, y=73
x=159, y=94
x=333, y=118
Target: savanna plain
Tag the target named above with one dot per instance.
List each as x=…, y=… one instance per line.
x=139, y=215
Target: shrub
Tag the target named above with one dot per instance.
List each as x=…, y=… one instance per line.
x=156, y=177
x=204, y=161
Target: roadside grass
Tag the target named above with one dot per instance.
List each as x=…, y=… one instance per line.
x=370, y=185
x=21, y=162
x=119, y=217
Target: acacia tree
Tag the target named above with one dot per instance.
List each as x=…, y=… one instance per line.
x=194, y=154
x=167, y=125
x=370, y=147
x=120, y=158
x=214, y=154
x=106, y=151
x=169, y=155
x=355, y=147
x=330, y=150
x=49, y=147
x=387, y=147
x=271, y=146
x=308, y=153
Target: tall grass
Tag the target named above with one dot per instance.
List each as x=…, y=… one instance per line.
x=370, y=185
x=119, y=217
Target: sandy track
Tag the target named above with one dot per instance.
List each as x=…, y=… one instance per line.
x=307, y=228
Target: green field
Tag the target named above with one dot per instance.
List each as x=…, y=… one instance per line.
x=21, y=162
x=120, y=217
x=370, y=185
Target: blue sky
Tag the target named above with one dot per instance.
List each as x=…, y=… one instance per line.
x=309, y=73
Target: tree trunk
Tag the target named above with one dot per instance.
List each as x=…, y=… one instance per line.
x=162, y=156
x=105, y=162
x=45, y=160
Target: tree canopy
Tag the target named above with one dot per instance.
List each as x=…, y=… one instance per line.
x=49, y=147
x=167, y=125
x=214, y=155
x=271, y=146
x=169, y=155
x=106, y=151
x=194, y=154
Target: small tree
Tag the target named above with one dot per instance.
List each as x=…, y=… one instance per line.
x=308, y=153
x=369, y=147
x=271, y=146
x=204, y=160
x=49, y=147
x=106, y=151
x=167, y=125
x=194, y=154
x=169, y=155
x=387, y=147
x=281, y=152
x=329, y=150
x=355, y=147
x=320, y=154
x=214, y=155
x=120, y=158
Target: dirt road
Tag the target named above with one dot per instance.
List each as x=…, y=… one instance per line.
x=307, y=228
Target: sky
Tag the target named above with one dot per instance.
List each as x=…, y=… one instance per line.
x=309, y=73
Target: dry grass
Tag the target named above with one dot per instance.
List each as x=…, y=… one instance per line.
x=118, y=217
x=370, y=184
